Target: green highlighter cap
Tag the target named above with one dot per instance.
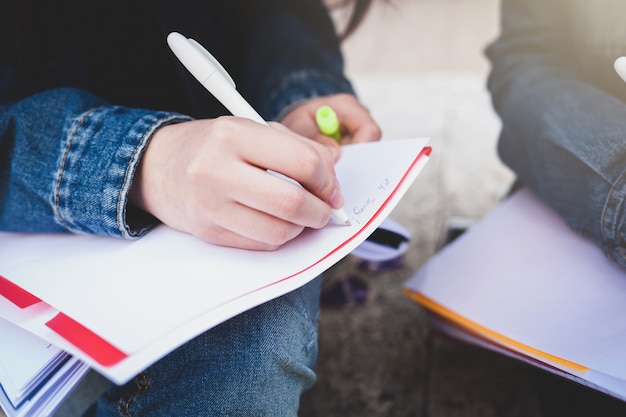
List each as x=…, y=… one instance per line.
x=327, y=122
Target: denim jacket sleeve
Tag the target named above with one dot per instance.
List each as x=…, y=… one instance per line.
x=563, y=136
x=66, y=163
x=292, y=55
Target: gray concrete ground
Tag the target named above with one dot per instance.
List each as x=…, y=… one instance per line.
x=419, y=66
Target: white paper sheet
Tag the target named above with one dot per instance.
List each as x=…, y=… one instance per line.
x=174, y=286
x=522, y=273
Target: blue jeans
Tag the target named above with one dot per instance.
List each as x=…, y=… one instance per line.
x=256, y=364
x=563, y=110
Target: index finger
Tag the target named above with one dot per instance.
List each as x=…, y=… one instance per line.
x=358, y=124
x=311, y=164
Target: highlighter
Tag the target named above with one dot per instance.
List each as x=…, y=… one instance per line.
x=327, y=122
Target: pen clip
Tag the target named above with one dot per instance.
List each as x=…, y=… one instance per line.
x=212, y=60
x=196, y=58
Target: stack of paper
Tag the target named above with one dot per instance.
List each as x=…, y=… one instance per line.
x=76, y=292
x=34, y=375
x=522, y=283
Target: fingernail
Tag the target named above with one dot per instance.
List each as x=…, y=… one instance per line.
x=336, y=199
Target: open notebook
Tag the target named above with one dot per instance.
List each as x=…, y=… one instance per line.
x=522, y=283
x=78, y=291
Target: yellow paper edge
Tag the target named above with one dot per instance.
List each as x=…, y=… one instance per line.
x=483, y=331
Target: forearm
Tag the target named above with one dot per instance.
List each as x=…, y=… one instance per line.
x=68, y=160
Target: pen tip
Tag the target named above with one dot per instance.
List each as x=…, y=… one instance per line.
x=347, y=223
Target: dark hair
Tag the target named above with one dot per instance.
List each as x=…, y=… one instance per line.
x=358, y=12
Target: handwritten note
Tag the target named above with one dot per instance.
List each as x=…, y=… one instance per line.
x=363, y=209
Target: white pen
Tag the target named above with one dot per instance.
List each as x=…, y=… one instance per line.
x=206, y=69
x=620, y=67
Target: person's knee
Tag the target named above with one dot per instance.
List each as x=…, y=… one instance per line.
x=257, y=363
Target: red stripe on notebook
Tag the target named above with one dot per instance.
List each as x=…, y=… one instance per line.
x=16, y=294
x=93, y=345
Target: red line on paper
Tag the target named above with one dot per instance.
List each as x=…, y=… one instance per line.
x=16, y=294
x=93, y=345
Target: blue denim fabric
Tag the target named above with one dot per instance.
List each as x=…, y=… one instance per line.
x=78, y=179
x=255, y=364
x=82, y=89
x=563, y=110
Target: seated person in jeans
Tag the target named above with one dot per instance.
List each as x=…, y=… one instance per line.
x=563, y=111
